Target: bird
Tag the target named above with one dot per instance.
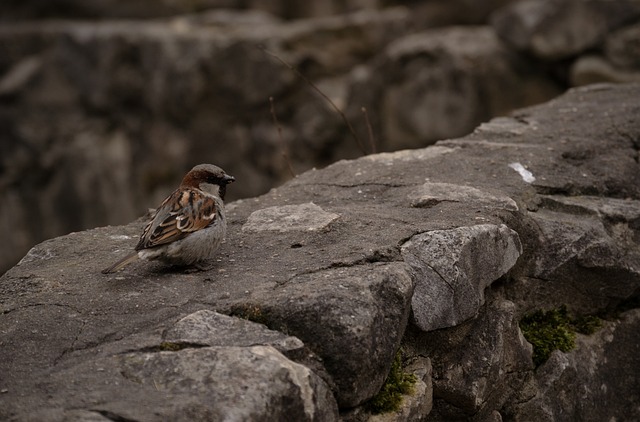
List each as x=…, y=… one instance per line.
x=189, y=225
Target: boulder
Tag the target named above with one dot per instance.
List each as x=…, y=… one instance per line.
x=441, y=83
x=479, y=366
x=450, y=279
x=558, y=29
x=591, y=69
x=204, y=366
x=594, y=382
x=622, y=47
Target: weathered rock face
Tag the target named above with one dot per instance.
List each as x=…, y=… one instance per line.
x=442, y=83
x=451, y=275
x=576, y=384
x=618, y=62
x=200, y=369
x=562, y=28
x=591, y=35
x=440, y=250
x=480, y=366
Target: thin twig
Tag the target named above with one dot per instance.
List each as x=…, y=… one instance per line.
x=283, y=146
x=322, y=94
x=372, y=141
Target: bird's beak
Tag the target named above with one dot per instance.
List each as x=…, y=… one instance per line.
x=228, y=179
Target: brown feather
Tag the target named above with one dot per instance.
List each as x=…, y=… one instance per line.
x=177, y=217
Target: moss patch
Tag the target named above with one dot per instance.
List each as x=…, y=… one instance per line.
x=397, y=384
x=249, y=312
x=588, y=324
x=170, y=346
x=554, y=330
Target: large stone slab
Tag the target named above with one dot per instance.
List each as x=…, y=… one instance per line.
x=353, y=318
x=205, y=366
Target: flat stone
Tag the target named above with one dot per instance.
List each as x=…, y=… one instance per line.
x=286, y=218
x=430, y=194
x=213, y=329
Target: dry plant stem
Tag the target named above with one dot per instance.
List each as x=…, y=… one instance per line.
x=315, y=88
x=372, y=141
x=283, y=146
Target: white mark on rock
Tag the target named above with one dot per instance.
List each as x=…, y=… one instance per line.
x=527, y=176
x=36, y=254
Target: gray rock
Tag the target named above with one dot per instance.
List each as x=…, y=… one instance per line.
x=593, y=69
x=307, y=216
x=211, y=383
x=450, y=273
x=214, y=329
x=478, y=366
x=574, y=385
x=414, y=406
x=351, y=306
x=622, y=48
x=204, y=366
x=558, y=29
x=596, y=265
x=336, y=302
x=440, y=84
x=431, y=194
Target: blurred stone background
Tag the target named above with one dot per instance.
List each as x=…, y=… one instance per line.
x=104, y=104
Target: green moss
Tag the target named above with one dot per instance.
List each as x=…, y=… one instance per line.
x=249, y=312
x=588, y=324
x=168, y=346
x=397, y=384
x=554, y=330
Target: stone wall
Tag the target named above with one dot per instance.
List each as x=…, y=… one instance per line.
x=437, y=252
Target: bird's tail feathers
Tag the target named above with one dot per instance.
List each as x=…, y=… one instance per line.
x=120, y=264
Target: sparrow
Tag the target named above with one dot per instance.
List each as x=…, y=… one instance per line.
x=189, y=225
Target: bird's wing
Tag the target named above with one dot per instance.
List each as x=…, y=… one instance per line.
x=185, y=211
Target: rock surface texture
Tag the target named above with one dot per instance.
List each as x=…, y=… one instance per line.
x=438, y=251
